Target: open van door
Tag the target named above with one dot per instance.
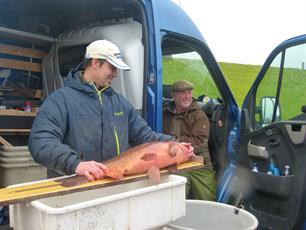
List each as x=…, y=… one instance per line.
x=272, y=151
x=182, y=54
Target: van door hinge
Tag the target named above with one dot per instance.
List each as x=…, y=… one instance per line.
x=152, y=79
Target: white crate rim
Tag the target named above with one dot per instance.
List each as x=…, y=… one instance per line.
x=70, y=208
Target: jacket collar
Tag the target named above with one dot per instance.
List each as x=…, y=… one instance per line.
x=74, y=80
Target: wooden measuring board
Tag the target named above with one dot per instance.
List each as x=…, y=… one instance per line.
x=65, y=185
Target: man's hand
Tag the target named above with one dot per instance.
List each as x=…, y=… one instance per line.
x=189, y=147
x=91, y=169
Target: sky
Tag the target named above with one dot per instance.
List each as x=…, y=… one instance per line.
x=244, y=31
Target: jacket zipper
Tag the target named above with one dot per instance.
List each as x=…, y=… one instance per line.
x=100, y=97
x=117, y=141
x=99, y=92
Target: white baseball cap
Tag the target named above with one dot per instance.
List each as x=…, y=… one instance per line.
x=103, y=49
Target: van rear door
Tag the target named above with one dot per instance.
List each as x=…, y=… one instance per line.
x=273, y=139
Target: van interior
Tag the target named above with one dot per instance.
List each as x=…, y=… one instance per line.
x=41, y=41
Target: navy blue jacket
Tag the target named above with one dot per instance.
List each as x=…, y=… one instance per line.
x=76, y=123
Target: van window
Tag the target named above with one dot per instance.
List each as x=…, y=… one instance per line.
x=293, y=89
x=292, y=85
x=266, y=91
x=69, y=57
x=182, y=62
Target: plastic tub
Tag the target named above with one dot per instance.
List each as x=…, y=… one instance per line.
x=134, y=205
x=213, y=215
x=12, y=160
x=17, y=166
x=15, y=173
x=14, y=152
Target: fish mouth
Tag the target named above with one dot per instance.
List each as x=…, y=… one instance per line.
x=183, y=148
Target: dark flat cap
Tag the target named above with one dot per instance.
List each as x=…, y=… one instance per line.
x=181, y=85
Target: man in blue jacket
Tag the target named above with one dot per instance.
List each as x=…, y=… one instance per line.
x=86, y=121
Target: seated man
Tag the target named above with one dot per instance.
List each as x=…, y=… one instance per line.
x=184, y=119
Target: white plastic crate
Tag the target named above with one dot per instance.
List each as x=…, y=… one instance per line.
x=17, y=166
x=21, y=172
x=135, y=205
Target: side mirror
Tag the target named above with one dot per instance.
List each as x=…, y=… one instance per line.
x=267, y=105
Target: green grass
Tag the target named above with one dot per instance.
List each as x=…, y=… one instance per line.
x=191, y=70
x=240, y=77
x=293, y=93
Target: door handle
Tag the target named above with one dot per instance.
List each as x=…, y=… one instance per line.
x=257, y=151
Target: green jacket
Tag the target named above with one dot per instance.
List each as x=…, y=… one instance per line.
x=190, y=126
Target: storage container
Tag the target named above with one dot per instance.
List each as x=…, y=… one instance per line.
x=14, y=152
x=133, y=205
x=17, y=166
x=21, y=172
x=213, y=216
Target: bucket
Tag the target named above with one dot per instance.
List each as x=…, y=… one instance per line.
x=213, y=215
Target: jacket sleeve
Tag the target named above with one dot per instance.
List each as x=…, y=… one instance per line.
x=47, y=137
x=140, y=132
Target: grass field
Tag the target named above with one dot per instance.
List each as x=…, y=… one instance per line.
x=240, y=77
x=293, y=92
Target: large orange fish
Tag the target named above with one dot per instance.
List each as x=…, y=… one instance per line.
x=147, y=158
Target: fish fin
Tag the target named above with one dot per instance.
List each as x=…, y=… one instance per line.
x=154, y=174
x=172, y=168
x=73, y=181
x=114, y=173
x=149, y=156
x=173, y=149
x=197, y=158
